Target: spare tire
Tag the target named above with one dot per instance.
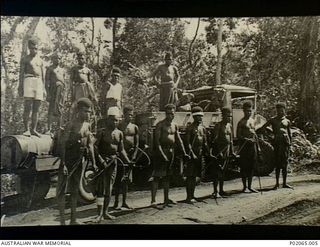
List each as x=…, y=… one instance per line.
x=85, y=189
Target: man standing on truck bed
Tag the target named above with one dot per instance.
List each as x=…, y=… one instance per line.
x=77, y=141
x=55, y=87
x=281, y=143
x=166, y=138
x=169, y=80
x=31, y=86
x=248, y=147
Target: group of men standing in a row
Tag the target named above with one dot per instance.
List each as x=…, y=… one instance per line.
x=114, y=149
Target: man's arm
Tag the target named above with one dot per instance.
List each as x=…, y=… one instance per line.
x=91, y=148
x=155, y=75
x=72, y=79
x=136, y=142
x=121, y=149
x=157, y=141
x=189, y=143
x=179, y=141
x=289, y=131
x=21, y=77
x=177, y=75
x=47, y=82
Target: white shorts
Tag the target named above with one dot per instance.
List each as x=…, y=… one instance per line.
x=33, y=88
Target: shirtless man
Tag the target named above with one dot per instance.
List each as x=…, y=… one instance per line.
x=31, y=86
x=131, y=144
x=281, y=143
x=55, y=87
x=77, y=141
x=81, y=81
x=168, y=77
x=248, y=147
x=112, y=93
x=196, y=145
x=167, y=137
x=221, y=149
x=110, y=145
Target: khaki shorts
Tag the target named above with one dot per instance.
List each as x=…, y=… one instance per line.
x=33, y=88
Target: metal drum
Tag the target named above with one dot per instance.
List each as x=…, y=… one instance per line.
x=16, y=148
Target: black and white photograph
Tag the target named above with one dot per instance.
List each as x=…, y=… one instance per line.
x=160, y=120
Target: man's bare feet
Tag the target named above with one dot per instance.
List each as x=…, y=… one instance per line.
x=108, y=216
x=35, y=133
x=98, y=219
x=27, y=133
x=253, y=190
x=276, y=187
x=125, y=205
x=246, y=190
x=287, y=186
x=74, y=222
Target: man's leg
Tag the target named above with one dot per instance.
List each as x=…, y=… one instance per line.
x=116, y=195
x=284, y=177
x=188, y=190
x=125, y=188
x=250, y=176
x=50, y=117
x=74, y=198
x=61, y=196
x=154, y=188
x=243, y=178
x=107, y=199
x=277, y=178
x=34, y=117
x=26, y=115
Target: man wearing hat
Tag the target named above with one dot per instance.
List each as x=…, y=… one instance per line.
x=110, y=145
x=31, y=86
x=168, y=77
x=196, y=145
x=221, y=150
x=77, y=142
x=55, y=86
x=112, y=93
x=167, y=137
x=249, y=147
x=81, y=81
x=282, y=139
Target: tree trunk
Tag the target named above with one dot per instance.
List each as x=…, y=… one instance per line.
x=114, y=40
x=193, y=40
x=219, y=49
x=309, y=84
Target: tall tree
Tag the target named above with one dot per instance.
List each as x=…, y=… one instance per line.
x=309, y=82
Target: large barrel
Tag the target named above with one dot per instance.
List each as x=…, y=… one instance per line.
x=16, y=148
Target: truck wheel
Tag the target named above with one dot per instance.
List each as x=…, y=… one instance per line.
x=265, y=165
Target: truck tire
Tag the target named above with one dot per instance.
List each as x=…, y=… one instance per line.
x=265, y=164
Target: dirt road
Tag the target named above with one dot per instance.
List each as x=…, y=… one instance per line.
x=300, y=206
